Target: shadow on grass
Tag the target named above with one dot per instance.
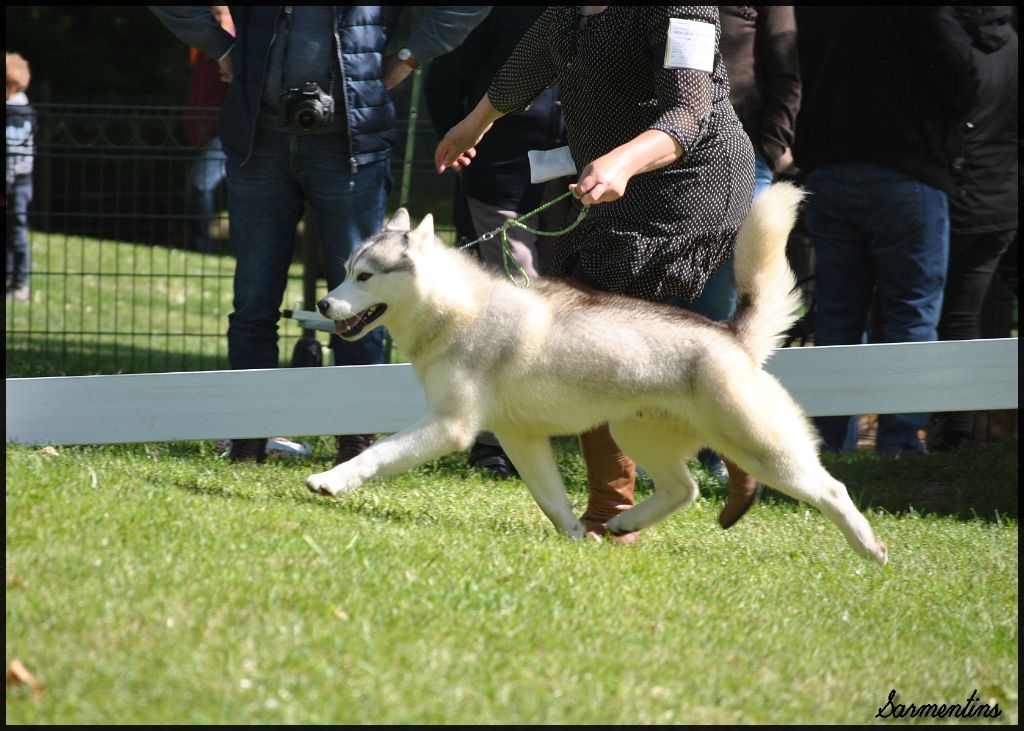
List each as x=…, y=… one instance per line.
x=30, y=356
x=977, y=482
x=362, y=504
x=79, y=354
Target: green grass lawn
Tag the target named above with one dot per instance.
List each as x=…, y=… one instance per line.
x=162, y=584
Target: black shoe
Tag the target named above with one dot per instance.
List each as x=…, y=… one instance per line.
x=950, y=440
x=248, y=450
x=492, y=459
x=308, y=353
x=351, y=445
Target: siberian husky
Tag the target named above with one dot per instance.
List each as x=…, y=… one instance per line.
x=559, y=359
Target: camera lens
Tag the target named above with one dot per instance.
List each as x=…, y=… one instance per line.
x=307, y=118
x=306, y=109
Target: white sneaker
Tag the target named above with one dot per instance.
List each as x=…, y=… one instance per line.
x=276, y=446
x=287, y=448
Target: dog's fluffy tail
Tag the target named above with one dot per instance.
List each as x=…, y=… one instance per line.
x=767, y=299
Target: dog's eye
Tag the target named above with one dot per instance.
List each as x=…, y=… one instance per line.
x=363, y=276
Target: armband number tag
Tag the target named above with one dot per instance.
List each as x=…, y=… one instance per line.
x=690, y=44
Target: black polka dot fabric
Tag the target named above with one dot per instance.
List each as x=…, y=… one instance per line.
x=676, y=225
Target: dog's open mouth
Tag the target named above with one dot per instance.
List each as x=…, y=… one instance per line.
x=356, y=324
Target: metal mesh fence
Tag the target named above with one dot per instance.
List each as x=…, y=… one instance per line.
x=120, y=282
x=113, y=285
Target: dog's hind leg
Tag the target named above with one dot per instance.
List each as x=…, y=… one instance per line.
x=759, y=426
x=783, y=455
x=661, y=450
x=536, y=464
x=837, y=505
x=818, y=488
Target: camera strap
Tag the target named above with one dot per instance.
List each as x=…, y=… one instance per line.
x=331, y=77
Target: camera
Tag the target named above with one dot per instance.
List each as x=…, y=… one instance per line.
x=307, y=108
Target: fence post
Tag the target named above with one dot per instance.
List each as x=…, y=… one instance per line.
x=410, y=138
x=42, y=170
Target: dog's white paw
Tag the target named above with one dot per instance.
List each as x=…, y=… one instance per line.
x=881, y=553
x=332, y=482
x=576, y=531
x=620, y=524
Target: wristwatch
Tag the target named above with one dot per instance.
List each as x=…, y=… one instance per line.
x=406, y=57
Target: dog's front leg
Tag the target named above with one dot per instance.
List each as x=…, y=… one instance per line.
x=536, y=465
x=431, y=437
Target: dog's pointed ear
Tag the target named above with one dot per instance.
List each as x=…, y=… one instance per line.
x=399, y=221
x=424, y=233
x=426, y=227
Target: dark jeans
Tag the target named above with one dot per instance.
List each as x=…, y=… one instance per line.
x=19, y=249
x=266, y=199
x=874, y=227
x=717, y=301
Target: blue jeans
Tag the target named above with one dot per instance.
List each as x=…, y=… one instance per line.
x=718, y=299
x=266, y=199
x=208, y=170
x=876, y=230
x=19, y=249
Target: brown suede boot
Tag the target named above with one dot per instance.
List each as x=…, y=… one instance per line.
x=611, y=479
x=743, y=491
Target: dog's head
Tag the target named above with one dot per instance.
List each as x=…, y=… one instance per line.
x=377, y=274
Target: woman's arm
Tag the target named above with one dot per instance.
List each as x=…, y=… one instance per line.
x=778, y=80
x=458, y=148
x=684, y=95
x=528, y=71
x=605, y=178
x=684, y=101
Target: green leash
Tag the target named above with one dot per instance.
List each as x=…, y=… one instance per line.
x=506, y=248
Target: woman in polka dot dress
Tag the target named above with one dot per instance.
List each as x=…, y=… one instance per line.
x=645, y=96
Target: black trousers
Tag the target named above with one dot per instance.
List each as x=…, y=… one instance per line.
x=973, y=261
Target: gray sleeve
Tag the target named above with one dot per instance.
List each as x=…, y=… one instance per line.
x=195, y=26
x=8, y=176
x=438, y=29
x=9, y=164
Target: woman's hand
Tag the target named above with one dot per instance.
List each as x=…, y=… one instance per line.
x=604, y=180
x=458, y=148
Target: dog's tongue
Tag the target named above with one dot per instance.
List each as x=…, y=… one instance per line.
x=343, y=326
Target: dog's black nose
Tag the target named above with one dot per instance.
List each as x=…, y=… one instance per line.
x=322, y=306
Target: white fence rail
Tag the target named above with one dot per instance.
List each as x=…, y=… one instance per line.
x=854, y=379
